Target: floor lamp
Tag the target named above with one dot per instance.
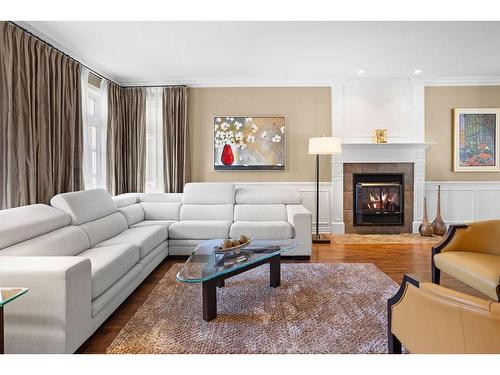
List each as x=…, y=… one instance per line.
x=322, y=146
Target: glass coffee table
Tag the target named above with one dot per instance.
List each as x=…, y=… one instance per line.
x=211, y=268
x=7, y=295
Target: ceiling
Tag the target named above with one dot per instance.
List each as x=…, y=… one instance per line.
x=149, y=53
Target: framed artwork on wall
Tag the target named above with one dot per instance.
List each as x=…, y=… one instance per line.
x=476, y=140
x=249, y=143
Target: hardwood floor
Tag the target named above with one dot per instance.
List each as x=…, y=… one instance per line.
x=393, y=259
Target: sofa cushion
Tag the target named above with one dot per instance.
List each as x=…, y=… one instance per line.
x=220, y=212
x=161, y=197
x=66, y=241
x=199, y=229
x=208, y=193
x=127, y=199
x=26, y=222
x=264, y=230
x=164, y=223
x=268, y=196
x=104, y=228
x=161, y=210
x=146, y=238
x=260, y=212
x=481, y=271
x=133, y=213
x=109, y=264
x=84, y=206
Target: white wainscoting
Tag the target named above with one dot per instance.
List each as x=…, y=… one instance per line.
x=464, y=201
x=307, y=191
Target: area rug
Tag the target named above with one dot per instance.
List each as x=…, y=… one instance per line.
x=403, y=238
x=319, y=308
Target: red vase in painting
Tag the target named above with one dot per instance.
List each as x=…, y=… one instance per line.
x=227, y=157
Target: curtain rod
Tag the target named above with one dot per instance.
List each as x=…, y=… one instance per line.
x=153, y=86
x=85, y=66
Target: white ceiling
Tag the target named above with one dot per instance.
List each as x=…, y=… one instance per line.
x=134, y=53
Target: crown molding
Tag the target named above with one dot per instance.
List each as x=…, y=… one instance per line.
x=336, y=82
x=235, y=82
x=461, y=81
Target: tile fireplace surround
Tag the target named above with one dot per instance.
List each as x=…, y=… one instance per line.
x=378, y=168
x=407, y=158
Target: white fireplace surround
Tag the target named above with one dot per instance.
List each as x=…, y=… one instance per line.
x=378, y=153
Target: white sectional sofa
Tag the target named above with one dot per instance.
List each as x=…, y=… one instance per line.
x=82, y=257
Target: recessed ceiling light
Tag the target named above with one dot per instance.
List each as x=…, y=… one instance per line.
x=417, y=71
x=361, y=72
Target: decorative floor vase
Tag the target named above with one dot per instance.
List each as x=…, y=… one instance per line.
x=438, y=225
x=227, y=157
x=425, y=229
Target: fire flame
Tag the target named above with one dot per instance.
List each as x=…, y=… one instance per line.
x=377, y=203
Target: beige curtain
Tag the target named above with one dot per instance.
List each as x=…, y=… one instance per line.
x=40, y=120
x=175, y=135
x=126, y=140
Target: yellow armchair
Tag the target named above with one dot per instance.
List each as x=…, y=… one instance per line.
x=428, y=318
x=471, y=254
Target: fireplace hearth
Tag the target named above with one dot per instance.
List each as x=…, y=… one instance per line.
x=378, y=199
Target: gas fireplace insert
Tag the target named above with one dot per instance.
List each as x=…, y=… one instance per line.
x=378, y=199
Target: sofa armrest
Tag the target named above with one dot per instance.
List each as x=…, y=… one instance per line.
x=55, y=315
x=428, y=318
x=300, y=219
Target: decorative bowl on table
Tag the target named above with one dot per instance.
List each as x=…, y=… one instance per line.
x=233, y=245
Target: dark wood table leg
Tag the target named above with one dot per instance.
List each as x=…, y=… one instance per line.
x=2, y=349
x=275, y=271
x=209, y=289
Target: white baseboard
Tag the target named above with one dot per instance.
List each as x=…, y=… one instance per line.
x=338, y=228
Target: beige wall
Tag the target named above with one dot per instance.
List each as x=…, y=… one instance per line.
x=439, y=103
x=307, y=111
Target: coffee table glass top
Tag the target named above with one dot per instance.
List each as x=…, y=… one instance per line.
x=204, y=264
x=10, y=294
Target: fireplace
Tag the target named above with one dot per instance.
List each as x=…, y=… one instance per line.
x=378, y=199
x=389, y=210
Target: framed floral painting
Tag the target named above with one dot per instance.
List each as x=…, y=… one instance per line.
x=476, y=140
x=249, y=143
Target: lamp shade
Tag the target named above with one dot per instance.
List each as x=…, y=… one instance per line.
x=324, y=145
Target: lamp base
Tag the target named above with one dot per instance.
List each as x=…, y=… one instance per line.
x=320, y=238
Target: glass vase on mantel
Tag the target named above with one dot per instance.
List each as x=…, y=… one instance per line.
x=438, y=225
x=425, y=229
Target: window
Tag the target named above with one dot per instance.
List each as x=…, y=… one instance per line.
x=154, y=141
x=94, y=100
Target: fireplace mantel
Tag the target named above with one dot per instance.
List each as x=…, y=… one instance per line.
x=383, y=152
x=393, y=152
